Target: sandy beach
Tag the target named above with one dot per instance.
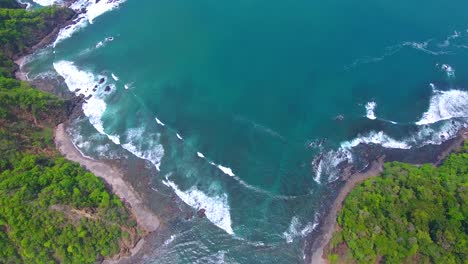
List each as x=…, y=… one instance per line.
x=328, y=225
x=374, y=169
x=113, y=177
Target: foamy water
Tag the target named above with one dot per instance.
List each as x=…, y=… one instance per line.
x=231, y=115
x=93, y=9
x=370, y=110
x=216, y=207
x=445, y=105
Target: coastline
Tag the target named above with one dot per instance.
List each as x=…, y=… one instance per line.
x=114, y=177
x=111, y=173
x=374, y=169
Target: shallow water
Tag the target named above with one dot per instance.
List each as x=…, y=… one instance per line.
x=232, y=101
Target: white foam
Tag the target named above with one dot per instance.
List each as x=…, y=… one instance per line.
x=82, y=83
x=93, y=10
x=149, y=150
x=295, y=229
x=370, y=110
x=329, y=162
x=47, y=2
x=126, y=86
x=170, y=240
x=445, y=105
x=102, y=43
x=423, y=46
x=318, y=172
x=159, y=122
x=216, y=207
x=28, y=5
x=379, y=138
x=446, y=42
x=179, y=136
x=226, y=170
x=449, y=70
x=427, y=135
x=68, y=31
x=114, y=77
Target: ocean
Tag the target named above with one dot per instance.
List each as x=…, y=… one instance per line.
x=245, y=109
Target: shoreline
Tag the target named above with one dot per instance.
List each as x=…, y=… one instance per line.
x=374, y=169
x=114, y=178
x=112, y=175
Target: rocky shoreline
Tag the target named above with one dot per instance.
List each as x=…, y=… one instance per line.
x=317, y=241
x=114, y=178
x=113, y=175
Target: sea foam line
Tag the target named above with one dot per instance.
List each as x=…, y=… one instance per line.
x=445, y=105
x=93, y=9
x=46, y=2
x=294, y=230
x=216, y=207
x=83, y=83
x=90, y=86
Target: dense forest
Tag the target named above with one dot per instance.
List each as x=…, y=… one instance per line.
x=407, y=215
x=51, y=210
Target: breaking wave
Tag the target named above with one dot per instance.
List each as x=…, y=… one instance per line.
x=47, y=2
x=86, y=84
x=216, y=207
x=296, y=229
x=151, y=150
x=370, y=110
x=91, y=87
x=445, y=105
x=92, y=10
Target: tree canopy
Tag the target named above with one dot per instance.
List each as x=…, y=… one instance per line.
x=407, y=215
x=51, y=210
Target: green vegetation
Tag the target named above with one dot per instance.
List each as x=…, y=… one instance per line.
x=51, y=210
x=407, y=215
x=21, y=29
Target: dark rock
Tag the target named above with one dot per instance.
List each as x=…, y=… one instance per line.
x=77, y=90
x=189, y=215
x=102, y=80
x=107, y=89
x=201, y=213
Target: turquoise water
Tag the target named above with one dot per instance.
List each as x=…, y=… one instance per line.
x=233, y=101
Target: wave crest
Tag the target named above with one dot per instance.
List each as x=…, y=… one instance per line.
x=445, y=105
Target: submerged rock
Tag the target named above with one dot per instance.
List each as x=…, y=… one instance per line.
x=189, y=216
x=201, y=213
